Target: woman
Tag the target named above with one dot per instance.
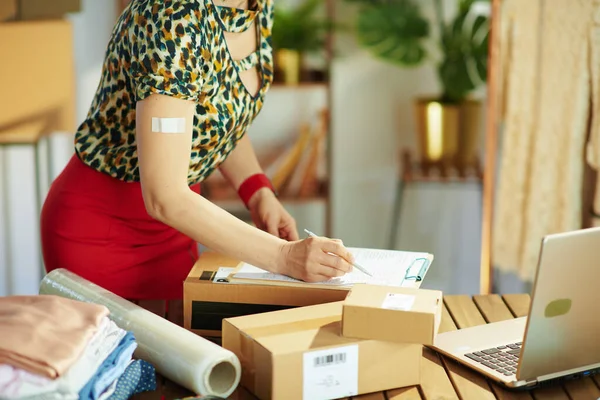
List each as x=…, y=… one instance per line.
x=181, y=83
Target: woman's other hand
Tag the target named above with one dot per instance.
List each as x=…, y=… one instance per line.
x=269, y=215
x=315, y=259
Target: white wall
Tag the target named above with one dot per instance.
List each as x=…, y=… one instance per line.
x=372, y=117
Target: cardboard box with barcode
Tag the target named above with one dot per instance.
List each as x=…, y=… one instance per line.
x=396, y=314
x=207, y=301
x=301, y=354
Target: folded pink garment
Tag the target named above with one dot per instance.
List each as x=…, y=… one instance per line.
x=46, y=334
x=13, y=379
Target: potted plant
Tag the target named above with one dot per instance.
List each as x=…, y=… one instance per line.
x=297, y=32
x=398, y=31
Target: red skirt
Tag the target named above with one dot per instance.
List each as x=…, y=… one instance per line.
x=97, y=227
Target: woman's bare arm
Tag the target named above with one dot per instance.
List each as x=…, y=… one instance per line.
x=241, y=164
x=164, y=160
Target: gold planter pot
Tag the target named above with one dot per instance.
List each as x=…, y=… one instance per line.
x=448, y=133
x=288, y=64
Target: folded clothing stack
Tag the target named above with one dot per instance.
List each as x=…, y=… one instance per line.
x=53, y=348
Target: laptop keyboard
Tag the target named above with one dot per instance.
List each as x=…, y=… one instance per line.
x=502, y=359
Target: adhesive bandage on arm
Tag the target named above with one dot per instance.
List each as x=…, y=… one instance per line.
x=168, y=125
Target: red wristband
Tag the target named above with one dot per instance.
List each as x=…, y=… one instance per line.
x=253, y=184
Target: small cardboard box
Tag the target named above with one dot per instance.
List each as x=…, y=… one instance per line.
x=395, y=314
x=301, y=354
x=207, y=302
x=28, y=10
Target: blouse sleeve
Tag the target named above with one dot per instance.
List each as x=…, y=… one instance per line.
x=165, y=45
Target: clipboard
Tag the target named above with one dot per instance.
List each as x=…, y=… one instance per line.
x=410, y=274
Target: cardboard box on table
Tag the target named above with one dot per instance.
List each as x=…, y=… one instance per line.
x=301, y=354
x=37, y=79
x=404, y=315
x=27, y=10
x=207, y=303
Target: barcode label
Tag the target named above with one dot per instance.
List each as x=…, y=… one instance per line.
x=330, y=373
x=398, y=301
x=337, y=358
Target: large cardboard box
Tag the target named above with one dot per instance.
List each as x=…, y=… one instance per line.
x=8, y=9
x=404, y=315
x=207, y=302
x=37, y=78
x=301, y=354
x=26, y=10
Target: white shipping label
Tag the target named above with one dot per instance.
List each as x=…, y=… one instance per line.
x=330, y=373
x=398, y=301
x=168, y=125
x=222, y=274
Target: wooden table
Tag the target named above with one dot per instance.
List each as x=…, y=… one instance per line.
x=443, y=378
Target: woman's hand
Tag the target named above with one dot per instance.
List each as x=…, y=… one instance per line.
x=315, y=259
x=269, y=215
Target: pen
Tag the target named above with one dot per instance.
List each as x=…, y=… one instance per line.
x=309, y=233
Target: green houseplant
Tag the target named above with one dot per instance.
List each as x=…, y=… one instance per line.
x=296, y=32
x=399, y=32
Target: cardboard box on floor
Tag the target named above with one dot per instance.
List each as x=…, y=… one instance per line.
x=27, y=10
x=404, y=315
x=301, y=354
x=206, y=303
x=37, y=78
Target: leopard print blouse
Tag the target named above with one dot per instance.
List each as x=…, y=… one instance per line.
x=176, y=48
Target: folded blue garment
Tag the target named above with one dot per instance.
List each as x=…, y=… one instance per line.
x=111, y=369
x=139, y=377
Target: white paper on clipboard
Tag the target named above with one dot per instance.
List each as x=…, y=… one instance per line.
x=388, y=267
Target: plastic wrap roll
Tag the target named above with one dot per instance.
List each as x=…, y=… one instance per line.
x=178, y=354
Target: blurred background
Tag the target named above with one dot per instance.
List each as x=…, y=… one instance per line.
x=373, y=131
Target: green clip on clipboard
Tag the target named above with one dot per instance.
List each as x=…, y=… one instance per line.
x=388, y=267
x=417, y=270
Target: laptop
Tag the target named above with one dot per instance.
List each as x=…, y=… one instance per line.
x=560, y=337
